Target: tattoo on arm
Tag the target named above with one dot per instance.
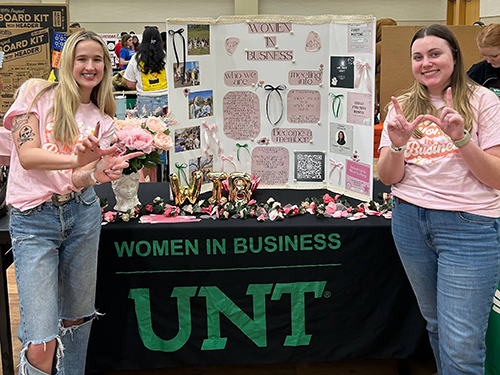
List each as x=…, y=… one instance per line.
x=20, y=121
x=83, y=177
x=26, y=134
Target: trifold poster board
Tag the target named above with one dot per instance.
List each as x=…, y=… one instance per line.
x=288, y=99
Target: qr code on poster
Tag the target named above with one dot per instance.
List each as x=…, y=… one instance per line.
x=309, y=166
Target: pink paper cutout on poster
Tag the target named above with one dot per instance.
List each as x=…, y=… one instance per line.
x=357, y=177
x=269, y=27
x=271, y=41
x=303, y=106
x=282, y=135
x=241, y=77
x=305, y=77
x=313, y=42
x=241, y=115
x=231, y=45
x=359, y=108
x=361, y=38
x=271, y=164
x=277, y=55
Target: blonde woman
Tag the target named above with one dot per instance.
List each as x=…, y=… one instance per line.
x=440, y=151
x=61, y=132
x=487, y=72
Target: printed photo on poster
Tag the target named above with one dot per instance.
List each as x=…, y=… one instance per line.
x=200, y=104
x=202, y=164
x=309, y=166
x=341, y=139
x=342, y=71
x=191, y=74
x=187, y=139
x=198, y=40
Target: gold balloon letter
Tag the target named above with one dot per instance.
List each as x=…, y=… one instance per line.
x=190, y=193
x=216, y=178
x=240, y=185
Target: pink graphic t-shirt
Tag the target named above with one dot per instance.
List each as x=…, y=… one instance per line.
x=29, y=188
x=436, y=175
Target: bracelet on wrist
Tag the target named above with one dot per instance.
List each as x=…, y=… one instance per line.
x=462, y=141
x=397, y=150
x=93, y=178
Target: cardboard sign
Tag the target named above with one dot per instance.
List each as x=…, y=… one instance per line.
x=26, y=55
x=28, y=16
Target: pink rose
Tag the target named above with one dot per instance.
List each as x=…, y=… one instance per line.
x=109, y=216
x=136, y=139
x=251, y=202
x=171, y=210
x=163, y=141
x=331, y=208
x=327, y=198
x=261, y=218
x=156, y=124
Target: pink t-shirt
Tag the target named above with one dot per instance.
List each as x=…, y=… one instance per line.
x=29, y=188
x=436, y=175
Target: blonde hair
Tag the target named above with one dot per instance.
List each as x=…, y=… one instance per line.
x=416, y=100
x=67, y=97
x=489, y=36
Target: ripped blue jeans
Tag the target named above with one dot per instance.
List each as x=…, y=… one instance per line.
x=55, y=258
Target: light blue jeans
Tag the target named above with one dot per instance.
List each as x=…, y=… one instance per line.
x=149, y=104
x=452, y=260
x=55, y=258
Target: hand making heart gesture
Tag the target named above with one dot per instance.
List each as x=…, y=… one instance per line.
x=450, y=121
x=399, y=129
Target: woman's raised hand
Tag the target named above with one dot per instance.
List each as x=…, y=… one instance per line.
x=110, y=167
x=89, y=150
x=399, y=129
x=450, y=121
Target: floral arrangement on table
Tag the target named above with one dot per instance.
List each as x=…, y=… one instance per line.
x=271, y=210
x=148, y=134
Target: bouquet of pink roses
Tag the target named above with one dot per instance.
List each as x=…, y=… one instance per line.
x=147, y=134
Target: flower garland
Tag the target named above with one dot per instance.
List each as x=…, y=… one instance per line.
x=271, y=210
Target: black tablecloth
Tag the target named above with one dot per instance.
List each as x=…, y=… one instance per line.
x=241, y=291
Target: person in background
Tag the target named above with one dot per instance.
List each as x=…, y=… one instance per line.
x=61, y=132
x=127, y=51
x=147, y=74
x=118, y=48
x=440, y=151
x=135, y=42
x=487, y=72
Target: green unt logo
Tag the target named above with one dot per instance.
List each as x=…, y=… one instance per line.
x=218, y=303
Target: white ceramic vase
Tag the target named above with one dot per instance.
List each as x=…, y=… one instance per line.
x=126, y=190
